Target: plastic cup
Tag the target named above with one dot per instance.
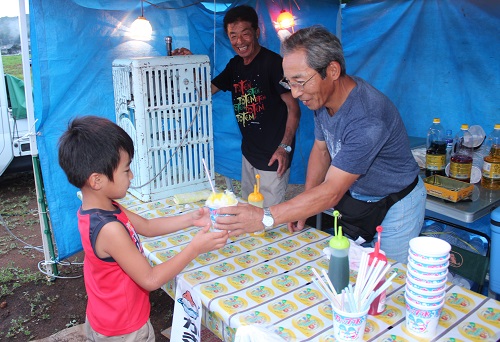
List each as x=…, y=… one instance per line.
x=349, y=326
x=430, y=247
x=422, y=320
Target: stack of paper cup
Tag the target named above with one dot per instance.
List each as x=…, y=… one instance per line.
x=425, y=284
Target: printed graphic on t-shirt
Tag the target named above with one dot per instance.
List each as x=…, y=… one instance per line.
x=134, y=236
x=248, y=102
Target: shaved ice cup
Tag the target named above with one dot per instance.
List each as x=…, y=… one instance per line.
x=348, y=326
x=215, y=205
x=422, y=320
x=214, y=213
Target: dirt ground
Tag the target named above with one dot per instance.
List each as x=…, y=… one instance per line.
x=32, y=306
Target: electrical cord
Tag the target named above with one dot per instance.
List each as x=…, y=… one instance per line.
x=40, y=249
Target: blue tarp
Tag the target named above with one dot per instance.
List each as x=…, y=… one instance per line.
x=432, y=58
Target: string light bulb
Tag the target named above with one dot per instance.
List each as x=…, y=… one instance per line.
x=285, y=20
x=141, y=28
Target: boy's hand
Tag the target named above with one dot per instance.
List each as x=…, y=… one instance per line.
x=201, y=217
x=206, y=241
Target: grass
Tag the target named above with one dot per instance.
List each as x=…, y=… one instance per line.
x=13, y=65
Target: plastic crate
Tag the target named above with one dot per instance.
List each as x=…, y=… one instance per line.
x=165, y=105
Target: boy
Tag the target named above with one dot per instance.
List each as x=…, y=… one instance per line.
x=96, y=154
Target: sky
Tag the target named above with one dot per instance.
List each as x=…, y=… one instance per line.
x=10, y=8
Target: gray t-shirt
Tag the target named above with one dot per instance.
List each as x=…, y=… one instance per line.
x=367, y=137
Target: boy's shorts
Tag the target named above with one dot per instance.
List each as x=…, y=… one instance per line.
x=145, y=334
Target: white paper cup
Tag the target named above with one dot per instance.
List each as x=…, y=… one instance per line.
x=214, y=213
x=423, y=290
x=428, y=247
x=420, y=266
x=430, y=301
x=347, y=326
x=427, y=274
x=425, y=283
x=421, y=320
x=427, y=259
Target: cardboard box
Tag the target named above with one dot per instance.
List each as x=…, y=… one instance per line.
x=448, y=188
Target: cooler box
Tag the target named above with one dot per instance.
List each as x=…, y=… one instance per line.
x=495, y=251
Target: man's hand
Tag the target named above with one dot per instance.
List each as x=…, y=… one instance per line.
x=245, y=218
x=296, y=226
x=283, y=159
x=181, y=52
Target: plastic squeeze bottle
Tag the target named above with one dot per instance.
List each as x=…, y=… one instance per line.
x=257, y=199
x=378, y=304
x=338, y=268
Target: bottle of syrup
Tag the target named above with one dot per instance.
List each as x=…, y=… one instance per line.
x=378, y=304
x=435, y=157
x=257, y=199
x=491, y=167
x=461, y=158
x=338, y=267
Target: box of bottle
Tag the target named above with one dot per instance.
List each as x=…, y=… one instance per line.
x=447, y=188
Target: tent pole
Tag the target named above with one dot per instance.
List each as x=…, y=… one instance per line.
x=48, y=248
x=48, y=245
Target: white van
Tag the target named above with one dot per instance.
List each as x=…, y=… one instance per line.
x=15, y=153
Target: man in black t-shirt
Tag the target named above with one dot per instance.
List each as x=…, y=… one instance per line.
x=266, y=112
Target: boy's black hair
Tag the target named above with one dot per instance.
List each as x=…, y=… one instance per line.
x=241, y=13
x=92, y=144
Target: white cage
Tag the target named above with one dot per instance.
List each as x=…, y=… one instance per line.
x=165, y=105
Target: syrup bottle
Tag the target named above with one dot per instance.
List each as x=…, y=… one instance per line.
x=435, y=156
x=491, y=167
x=257, y=199
x=338, y=268
x=378, y=304
x=461, y=158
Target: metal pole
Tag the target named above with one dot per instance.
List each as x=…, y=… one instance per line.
x=48, y=248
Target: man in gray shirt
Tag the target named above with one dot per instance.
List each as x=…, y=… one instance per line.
x=360, y=145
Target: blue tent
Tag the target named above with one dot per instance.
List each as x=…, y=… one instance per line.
x=433, y=58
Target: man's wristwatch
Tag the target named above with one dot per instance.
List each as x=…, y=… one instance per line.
x=267, y=219
x=287, y=148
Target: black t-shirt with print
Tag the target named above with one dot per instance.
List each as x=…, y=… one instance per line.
x=259, y=110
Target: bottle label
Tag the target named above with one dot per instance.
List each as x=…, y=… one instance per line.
x=491, y=170
x=381, y=303
x=460, y=170
x=435, y=162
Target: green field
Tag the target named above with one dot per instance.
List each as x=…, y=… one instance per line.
x=12, y=65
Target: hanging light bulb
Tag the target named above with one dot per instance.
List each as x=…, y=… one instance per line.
x=285, y=20
x=141, y=28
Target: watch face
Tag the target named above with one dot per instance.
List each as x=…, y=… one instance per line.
x=288, y=149
x=268, y=221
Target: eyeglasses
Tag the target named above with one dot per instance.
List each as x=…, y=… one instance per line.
x=298, y=85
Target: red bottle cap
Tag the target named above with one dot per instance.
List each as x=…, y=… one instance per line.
x=377, y=253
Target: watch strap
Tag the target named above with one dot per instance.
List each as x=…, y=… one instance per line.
x=286, y=147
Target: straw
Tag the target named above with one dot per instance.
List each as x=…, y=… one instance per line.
x=329, y=282
x=361, y=273
x=208, y=174
x=331, y=295
x=326, y=294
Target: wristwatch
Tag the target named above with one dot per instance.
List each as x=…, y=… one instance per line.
x=267, y=219
x=287, y=148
